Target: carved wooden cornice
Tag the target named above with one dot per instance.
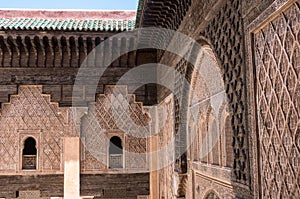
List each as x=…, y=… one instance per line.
x=56, y=50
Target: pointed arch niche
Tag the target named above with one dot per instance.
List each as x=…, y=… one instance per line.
x=207, y=95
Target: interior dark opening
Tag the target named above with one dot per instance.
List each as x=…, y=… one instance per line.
x=115, y=145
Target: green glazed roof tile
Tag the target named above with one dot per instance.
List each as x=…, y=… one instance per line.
x=65, y=24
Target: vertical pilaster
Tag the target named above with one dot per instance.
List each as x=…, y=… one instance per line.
x=154, y=178
x=71, y=168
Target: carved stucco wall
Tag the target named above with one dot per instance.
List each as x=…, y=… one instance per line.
x=221, y=26
x=225, y=32
x=276, y=51
x=31, y=114
x=115, y=113
x=208, y=112
x=165, y=118
x=205, y=172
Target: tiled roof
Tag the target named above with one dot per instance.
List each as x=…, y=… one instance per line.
x=66, y=24
x=76, y=20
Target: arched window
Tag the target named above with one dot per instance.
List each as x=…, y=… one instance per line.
x=115, y=153
x=204, y=143
x=194, y=142
x=196, y=146
x=29, y=154
x=228, y=142
x=215, y=144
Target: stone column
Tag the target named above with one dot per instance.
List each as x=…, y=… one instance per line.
x=72, y=168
